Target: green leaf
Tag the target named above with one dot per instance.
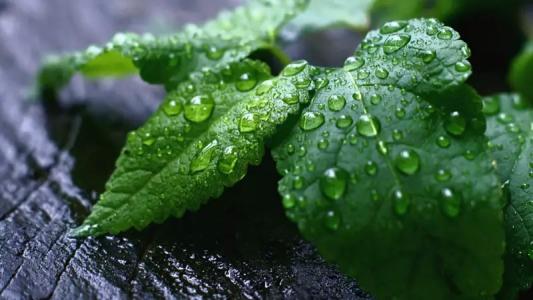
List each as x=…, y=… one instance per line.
x=522, y=72
x=200, y=140
x=389, y=179
x=510, y=130
x=231, y=37
x=322, y=14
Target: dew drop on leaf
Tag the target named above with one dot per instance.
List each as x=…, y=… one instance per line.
x=400, y=202
x=248, y=122
x=323, y=144
x=298, y=182
x=445, y=34
x=344, y=121
x=450, y=203
x=288, y=201
x=213, y=52
x=375, y=99
x=336, y=102
x=311, y=120
x=443, y=141
x=203, y=159
x=228, y=160
x=407, y=162
x=148, y=140
x=264, y=87
x=395, y=43
x=294, y=68
x=353, y=63
x=443, y=175
x=199, y=108
x=428, y=56
x=455, y=123
x=392, y=27
x=333, y=183
x=371, y=168
x=172, y=108
x=246, y=82
x=491, y=106
x=290, y=98
x=382, y=73
x=463, y=66
x=368, y=125
x=332, y=220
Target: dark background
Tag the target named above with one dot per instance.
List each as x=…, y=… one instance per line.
x=56, y=157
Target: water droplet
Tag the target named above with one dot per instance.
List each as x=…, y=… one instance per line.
x=332, y=221
x=450, y=203
x=371, y=168
x=227, y=162
x=289, y=201
x=172, y=108
x=428, y=56
x=344, y=121
x=382, y=73
x=491, y=106
x=382, y=147
x=431, y=30
x=290, y=149
x=374, y=195
x=443, y=142
x=397, y=134
x=246, y=82
x=524, y=186
x=248, y=122
x=148, y=140
x=455, y=123
x=395, y=43
x=362, y=74
x=353, y=63
x=323, y=144
x=264, y=87
x=407, y=162
x=298, y=182
x=443, y=175
x=368, y=125
x=333, y=183
x=199, y=108
x=470, y=155
x=400, y=112
x=445, y=34
x=336, y=102
x=375, y=99
x=519, y=102
x=357, y=96
x=311, y=120
x=302, y=83
x=400, y=202
x=203, y=159
x=505, y=118
x=290, y=98
x=294, y=68
x=463, y=66
x=392, y=27
x=213, y=53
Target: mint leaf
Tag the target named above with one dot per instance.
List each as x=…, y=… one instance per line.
x=231, y=37
x=322, y=14
x=510, y=130
x=200, y=140
x=522, y=72
x=386, y=171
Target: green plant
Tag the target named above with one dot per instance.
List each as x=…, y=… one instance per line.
x=392, y=165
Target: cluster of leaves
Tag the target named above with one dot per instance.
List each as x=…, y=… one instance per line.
x=398, y=171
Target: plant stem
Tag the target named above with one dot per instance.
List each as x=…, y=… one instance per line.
x=282, y=57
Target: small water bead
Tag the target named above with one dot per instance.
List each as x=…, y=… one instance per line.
x=362, y=74
x=289, y=201
x=358, y=96
x=228, y=160
x=371, y=168
x=382, y=148
x=353, y=63
x=445, y=34
x=519, y=102
x=400, y=112
x=368, y=125
x=290, y=149
x=397, y=135
x=395, y=43
x=333, y=183
x=302, y=83
x=455, y=123
x=172, y=108
x=148, y=140
x=294, y=68
x=246, y=82
x=443, y=175
x=400, y=201
x=374, y=195
x=332, y=220
x=203, y=159
x=431, y=30
x=443, y=142
x=352, y=139
x=311, y=120
x=512, y=128
x=428, y=56
x=290, y=98
x=375, y=99
x=382, y=73
x=407, y=162
x=505, y=118
x=336, y=102
x=470, y=155
x=323, y=144
x=392, y=27
x=463, y=66
x=264, y=87
x=302, y=151
x=321, y=83
x=465, y=50
x=248, y=122
x=199, y=108
x=450, y=202
x=298, y=182
x=491, y=106
x=213, y=52
x=344, y=121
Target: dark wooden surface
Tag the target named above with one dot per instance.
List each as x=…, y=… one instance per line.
x=54, y=159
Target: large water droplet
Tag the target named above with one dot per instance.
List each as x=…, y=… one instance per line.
x=392, y=27
x=333, y=183
x=311, y=120
x=368, y=125
x=450, y=202
x=463, y=66
x=382, y=73
x=199, y=108
x=407, y=162
x=336, y=102
x=353, y=63
x=227, y=162
x=400, y=202
x=264, y=87
x=455, y=123
x=344, y=121
x=395, y=43
x=172, y=108
x=289, y=201
x=246, y=82
x=375, y=99
x=248, y=122
x=290, y=98
x=294, y=68
x=445, y=34
x=491, y=106
x=203, y=159
x=148, y=140
x=213, y=52
x=428, y=56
